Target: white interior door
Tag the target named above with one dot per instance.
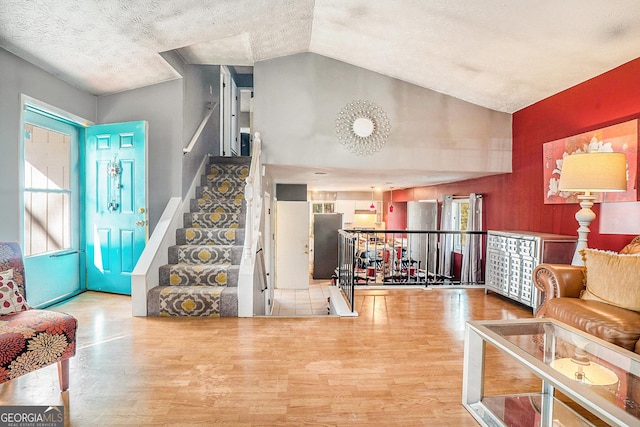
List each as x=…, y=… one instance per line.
x=292, y=245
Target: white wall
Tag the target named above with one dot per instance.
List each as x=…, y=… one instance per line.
x=20, y=77
x=298, y=98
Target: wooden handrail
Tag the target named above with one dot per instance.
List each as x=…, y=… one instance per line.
x=196, y=135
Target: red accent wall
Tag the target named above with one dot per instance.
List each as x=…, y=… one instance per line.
x=515, y=201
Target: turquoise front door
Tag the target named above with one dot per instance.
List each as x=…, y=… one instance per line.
x=115, y=203
x=54, y=261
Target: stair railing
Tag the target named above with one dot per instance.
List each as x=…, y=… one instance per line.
x=253, y=199
x=408, y=257
x=203, y=123
x=252, y=195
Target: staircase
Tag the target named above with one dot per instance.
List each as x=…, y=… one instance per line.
x=201, y=277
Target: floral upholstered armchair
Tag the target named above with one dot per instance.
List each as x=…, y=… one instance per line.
x=30, y=339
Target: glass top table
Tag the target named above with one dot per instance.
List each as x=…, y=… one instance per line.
x=602, y=378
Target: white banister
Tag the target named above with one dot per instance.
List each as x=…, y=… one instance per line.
x=196, y=135
x=253, y=200
x=252, y=195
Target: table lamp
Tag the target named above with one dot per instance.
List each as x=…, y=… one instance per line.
x=589, y=173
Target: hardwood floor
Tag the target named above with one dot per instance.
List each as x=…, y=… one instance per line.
x=398, y=363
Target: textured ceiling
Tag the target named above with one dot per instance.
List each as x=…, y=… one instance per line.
x=500, y=54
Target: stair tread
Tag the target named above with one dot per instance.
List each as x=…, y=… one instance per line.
x=197, y=267
x=188, y=246
x=184, y=288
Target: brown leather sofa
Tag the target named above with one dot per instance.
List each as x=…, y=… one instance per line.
x=561, y=287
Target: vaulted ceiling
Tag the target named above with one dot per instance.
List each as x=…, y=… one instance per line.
x=499, y=54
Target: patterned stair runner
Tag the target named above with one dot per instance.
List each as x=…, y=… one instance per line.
x=201, y=278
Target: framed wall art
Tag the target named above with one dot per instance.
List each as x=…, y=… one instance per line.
x=621, y=137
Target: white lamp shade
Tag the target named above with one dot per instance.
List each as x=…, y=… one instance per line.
x=595, y=172
x=594, y=374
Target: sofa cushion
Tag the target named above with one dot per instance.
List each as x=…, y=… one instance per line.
x=11, y=299
x=613, y=324
x=633, y=247
x=612, y=278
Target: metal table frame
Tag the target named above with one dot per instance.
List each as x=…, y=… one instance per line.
x=479, y=333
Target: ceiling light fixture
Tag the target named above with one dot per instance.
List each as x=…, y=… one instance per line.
x=372, y=208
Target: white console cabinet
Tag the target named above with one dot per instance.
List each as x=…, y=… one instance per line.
x=512, y=256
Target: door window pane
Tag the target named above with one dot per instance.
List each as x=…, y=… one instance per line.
x=47, y=220
x=460, y=211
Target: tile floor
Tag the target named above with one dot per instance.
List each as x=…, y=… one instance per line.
x=306, y=302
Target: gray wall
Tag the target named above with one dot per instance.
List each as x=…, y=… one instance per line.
x=161, y=106
x=174, y=111
x=20, y=77
x=202, y=86
x=298, y=98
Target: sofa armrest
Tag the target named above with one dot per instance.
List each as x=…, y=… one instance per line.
x=558, y=280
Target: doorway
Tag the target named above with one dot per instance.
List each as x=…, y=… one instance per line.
x=115, y=210
x=225, y=111
x=66, y=188
x=292, y=245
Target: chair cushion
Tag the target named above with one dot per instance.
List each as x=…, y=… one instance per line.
x=613, y=324
x=11, y=299
x=33, y=339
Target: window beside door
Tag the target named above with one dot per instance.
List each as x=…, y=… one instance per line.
x=47, y=193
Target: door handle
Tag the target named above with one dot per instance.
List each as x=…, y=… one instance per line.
x=142, y=223
x=65, y=253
